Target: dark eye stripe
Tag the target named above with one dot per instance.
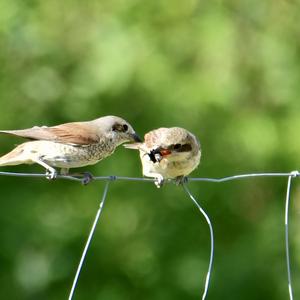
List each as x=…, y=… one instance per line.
x=120, y=127
x=182, y=148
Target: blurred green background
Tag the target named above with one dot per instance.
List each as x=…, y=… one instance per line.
x=229, y=71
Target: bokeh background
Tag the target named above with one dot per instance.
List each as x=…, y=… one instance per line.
x=229, y=71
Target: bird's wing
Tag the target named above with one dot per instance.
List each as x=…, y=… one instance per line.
x=77, y=133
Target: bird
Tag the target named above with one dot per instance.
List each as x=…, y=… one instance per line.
x=69, y=145
x=168, y=153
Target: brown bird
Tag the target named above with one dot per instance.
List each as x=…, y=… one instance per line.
x=69, y=145
x=168, y=153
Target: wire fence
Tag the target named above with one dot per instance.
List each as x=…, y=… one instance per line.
x=109, y=179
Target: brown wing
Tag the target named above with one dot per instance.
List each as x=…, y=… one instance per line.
x=78, y=133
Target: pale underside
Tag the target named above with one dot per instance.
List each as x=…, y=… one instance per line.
x=172, y=166
x=57, y=154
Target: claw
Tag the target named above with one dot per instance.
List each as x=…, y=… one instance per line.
x=87, y=178
x=159, y=181
x=181, y=180
x=51, y=174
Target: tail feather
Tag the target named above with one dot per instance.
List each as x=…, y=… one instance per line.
x=11, y=132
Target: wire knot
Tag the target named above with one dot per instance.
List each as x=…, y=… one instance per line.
x=112, y=178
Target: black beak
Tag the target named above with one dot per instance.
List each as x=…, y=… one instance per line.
x=136, y=138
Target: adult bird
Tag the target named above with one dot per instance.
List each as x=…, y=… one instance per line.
x=69, y=145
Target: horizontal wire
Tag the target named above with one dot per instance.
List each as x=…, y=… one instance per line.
x=126, y=178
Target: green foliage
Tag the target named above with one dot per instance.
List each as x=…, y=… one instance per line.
x=227, y=71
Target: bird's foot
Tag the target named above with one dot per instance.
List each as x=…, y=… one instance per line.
x=87, y=178
x=181, y=180
x=51, y=174
x=159, y=181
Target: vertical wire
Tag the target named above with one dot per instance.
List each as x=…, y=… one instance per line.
x=211, y=240
x=86, y=247
x=290, y=176
x=286, y=223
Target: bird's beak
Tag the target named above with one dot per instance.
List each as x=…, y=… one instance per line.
x=135, y=138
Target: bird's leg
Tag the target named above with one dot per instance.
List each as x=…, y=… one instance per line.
x=149, y=172
x=180, y=180
x=158, y=178
x=51, y=173
x=64, y=171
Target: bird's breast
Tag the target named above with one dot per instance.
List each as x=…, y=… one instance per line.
x=171, y=166
x=71, y=156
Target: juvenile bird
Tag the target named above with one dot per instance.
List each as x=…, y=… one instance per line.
x=69, y=145
x=168, y=153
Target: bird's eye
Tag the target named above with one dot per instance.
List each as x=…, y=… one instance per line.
x=177, y=146
x=125, y=127
x=117, y=127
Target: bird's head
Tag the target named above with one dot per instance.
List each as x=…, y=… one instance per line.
x=116, y=128
x=174, y=144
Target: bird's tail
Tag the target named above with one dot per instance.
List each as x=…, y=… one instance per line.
x=14, y=157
